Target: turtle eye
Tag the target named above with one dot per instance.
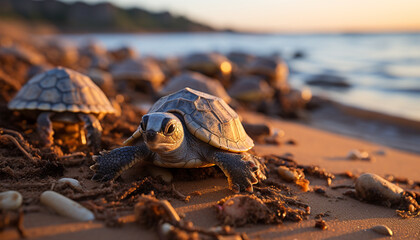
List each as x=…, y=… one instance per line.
x=143, y=123
x=170, y=129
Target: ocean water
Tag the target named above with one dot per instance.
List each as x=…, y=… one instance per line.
x=383, y=69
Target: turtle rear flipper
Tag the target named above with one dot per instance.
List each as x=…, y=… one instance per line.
x=241, y=170
x=110, y=164
x=93, y=131
x=45, y=128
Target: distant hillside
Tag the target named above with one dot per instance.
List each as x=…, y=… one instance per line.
x=101, y=17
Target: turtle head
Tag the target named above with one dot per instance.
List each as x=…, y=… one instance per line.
x=161, y=131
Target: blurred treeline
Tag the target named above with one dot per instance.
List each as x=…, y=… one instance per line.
x=80, y=17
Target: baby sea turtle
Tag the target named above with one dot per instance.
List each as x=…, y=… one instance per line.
x=63, y=95
x=187, y=129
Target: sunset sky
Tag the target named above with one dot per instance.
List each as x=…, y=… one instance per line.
x=292, y=15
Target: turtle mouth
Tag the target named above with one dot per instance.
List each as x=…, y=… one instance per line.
x=161, y=147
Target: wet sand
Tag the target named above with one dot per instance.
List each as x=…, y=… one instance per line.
x=393, y=131
x=347, y=218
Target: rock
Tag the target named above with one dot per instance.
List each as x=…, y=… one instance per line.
x=295, y=175
x=256, y=131
x=380, y=152
x=214, y=65
x=372, y=188
x=241, y=209
x=65, y=206
x=195, y=81
x=321, y=224
x=72, y=182
x=325, y=80
x=123, y=53
x=382, y=229
x=104, y=81
x=250, y=89
x=240, y=58
x=165, y=229
x=298, y=54
x=141, y=74
x=289, y=175
x=10, y=200
x=275, y=70
x=356, y=154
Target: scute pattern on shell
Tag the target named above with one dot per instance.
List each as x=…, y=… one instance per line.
x=208, y=118
x=60, y=90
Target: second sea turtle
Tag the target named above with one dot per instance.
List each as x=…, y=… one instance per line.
x=66, y=96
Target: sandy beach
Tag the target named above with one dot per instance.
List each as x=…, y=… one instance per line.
x=347, y=218
x=313, y=149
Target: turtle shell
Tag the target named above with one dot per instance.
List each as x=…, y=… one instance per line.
x=208, y=118
x=61, y=90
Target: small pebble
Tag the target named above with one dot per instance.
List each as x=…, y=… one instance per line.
x=71, y=181
x=65, y=206
x=291, y=142
x=165, y=229
x=319, y=190
x=382, y=229
x=357, y=154
x=329, y=181
x=257, y=130
x=287, y=174
x=274, y=138
x=229, y=237
x=321, y=224
x=372, y=188
x=10, y=200
x=380, y=152
x=221, y=229
x=411, y=208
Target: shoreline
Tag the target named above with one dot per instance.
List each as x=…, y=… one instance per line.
x=389, y=130
x=414, y=32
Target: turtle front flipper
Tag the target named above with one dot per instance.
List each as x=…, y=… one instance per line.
x=45, y=128
x=110, y=164
x=241, y=170
x=93, y=130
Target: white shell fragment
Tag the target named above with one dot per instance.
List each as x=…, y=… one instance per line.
x=289, y=175
x=72, y=182
x=165, y=229
x=65, y=206
x=372, y=188
x=382, y=229
x=357, y=154
x=10, y=200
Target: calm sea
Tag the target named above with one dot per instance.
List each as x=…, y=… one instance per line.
x=383, y=69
